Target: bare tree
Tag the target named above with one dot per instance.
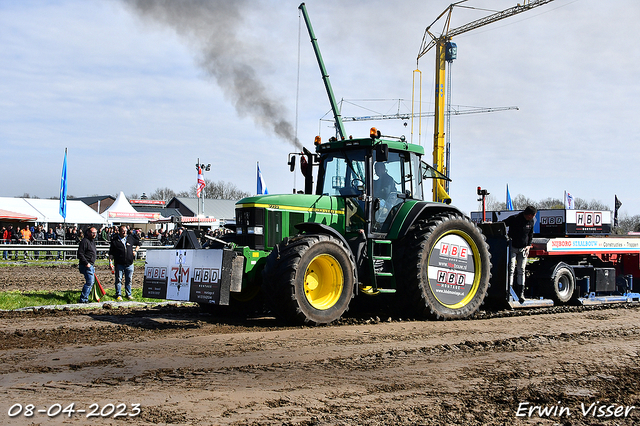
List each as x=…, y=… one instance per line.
x=627, y=224
x=520, y=202
x=582, y=204
x=164, y=194
x=550, y=203
x=493, y=204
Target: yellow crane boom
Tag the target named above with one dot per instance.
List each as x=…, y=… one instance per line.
x=429, y=41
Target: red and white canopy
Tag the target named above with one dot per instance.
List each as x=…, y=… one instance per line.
x=14, y=216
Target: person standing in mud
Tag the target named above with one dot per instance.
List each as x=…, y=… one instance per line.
x=86, y=262
x=122, y=253
x=520, y=236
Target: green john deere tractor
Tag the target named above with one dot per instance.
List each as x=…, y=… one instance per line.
x=365, y=231
x=360, y=229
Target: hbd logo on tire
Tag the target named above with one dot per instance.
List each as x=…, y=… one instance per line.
x=453, y=278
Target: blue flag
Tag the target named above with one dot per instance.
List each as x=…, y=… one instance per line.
x=262, y=186
x=63, y=187
x=509, y=203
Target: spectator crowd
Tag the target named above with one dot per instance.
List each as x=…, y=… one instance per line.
x=72, y=235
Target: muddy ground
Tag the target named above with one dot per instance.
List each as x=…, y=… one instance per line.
x=186, y=367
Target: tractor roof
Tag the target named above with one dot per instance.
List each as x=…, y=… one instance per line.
x=397, y=144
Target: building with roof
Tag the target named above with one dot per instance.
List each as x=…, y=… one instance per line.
x=211, y=212
x=99, y=203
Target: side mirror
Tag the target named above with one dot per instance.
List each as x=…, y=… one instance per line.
x=292, y=163
x=382, y=153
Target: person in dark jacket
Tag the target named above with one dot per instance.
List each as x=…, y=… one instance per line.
x=384, y=185
x=122, y=253
x=521, y=236
x=86, y=262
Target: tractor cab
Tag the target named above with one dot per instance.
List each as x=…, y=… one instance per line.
x=374, y=175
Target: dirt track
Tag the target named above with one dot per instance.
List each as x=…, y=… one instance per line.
x=186, y=367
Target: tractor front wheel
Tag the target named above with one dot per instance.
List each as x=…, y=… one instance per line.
x=309, y=279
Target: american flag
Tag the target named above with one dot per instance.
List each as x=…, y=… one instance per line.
x=201, y=184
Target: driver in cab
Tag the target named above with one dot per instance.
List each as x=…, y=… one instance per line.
x=384, y=185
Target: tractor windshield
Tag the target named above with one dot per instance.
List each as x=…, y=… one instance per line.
x=344, y=173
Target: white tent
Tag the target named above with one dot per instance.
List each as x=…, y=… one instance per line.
x=48, y=211
x=20, y=205
x=77, y=212
x=122, y=212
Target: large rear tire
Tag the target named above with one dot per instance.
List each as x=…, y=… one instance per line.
x=309, y=279
x=444, y=268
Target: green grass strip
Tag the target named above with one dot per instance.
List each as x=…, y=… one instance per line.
x=22, y=299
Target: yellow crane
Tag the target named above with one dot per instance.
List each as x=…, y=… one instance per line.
x=445, y=50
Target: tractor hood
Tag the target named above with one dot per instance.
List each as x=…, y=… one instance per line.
x=265, y=220
x=307, y=203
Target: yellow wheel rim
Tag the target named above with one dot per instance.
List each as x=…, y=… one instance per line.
x=323, y=282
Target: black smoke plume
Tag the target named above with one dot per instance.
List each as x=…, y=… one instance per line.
x=212, y=27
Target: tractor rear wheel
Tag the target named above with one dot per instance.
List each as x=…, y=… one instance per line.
x=444, y=268
x=309, y=279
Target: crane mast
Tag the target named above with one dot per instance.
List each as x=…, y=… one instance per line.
x=441, y=43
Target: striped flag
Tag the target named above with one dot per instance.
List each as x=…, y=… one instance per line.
x=63, y=187
x=262, y=186
x=568, y=201
x=201, y=183
x=509, y=203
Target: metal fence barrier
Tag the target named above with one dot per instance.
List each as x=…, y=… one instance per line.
x=61, y=251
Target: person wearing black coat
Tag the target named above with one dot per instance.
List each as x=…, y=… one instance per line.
x=122, y=253
x=86, y=262
x=521, y=236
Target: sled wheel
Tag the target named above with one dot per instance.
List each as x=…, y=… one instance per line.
x=309, y=279
x=444, y=268
x=563, y=284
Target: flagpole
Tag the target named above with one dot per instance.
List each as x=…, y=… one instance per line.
x=197, y=197
x=63, y=197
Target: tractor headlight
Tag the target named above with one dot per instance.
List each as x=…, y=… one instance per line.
x=256, y=230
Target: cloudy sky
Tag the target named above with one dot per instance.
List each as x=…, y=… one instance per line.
x=137, y=91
